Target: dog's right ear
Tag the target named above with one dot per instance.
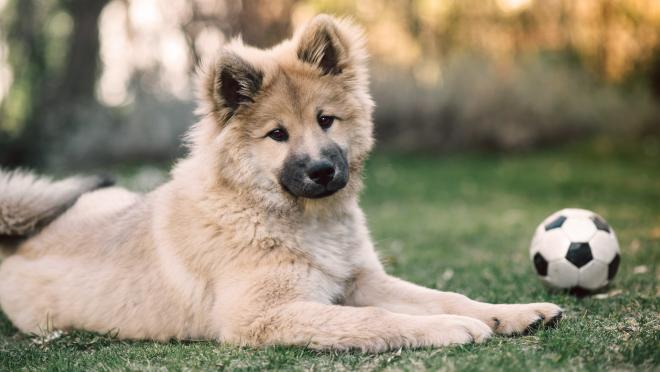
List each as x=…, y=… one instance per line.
x=333, y=46
x=321, y=45
x=235, y=83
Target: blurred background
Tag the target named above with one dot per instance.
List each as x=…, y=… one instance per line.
x=93, y=83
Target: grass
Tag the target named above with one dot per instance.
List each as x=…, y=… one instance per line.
x=458, y=223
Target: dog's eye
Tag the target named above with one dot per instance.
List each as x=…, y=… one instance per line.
x=279, y=135
x=325, y=121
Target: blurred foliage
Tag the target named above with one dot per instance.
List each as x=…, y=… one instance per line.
x=611, y=38
x=98, y=81
x=50, y=51
x=509, y=74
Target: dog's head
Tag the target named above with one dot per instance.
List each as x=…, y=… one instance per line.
x=291, y=123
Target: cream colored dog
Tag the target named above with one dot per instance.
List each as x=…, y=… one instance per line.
x=257, y=239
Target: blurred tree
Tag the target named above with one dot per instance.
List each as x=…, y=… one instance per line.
x=264, y=23
x=52, y=91
x=260, y=23
x=81, y=66
x=26, y=41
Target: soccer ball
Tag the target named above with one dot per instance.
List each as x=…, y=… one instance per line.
x=575, y=249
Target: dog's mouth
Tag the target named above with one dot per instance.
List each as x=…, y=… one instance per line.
x=312, y=191
x=324, y=194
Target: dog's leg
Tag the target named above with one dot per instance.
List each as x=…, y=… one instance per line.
x=376, y=288
x=370, y=329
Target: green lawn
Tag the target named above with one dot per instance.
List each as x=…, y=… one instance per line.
x=459, y=223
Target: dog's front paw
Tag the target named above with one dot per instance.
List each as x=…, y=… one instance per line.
x=456, y=329
x=523, y=318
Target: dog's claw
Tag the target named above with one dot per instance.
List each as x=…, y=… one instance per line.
x=554, y=321
x=538, y=323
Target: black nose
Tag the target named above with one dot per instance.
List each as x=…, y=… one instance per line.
x=321, y=172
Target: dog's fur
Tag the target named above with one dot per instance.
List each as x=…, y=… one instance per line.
x=239, y=246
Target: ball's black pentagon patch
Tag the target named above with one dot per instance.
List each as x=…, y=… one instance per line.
x=579, y=254
x=540, y=264
x=613, y=267
x=600, y=224
x=556, y=223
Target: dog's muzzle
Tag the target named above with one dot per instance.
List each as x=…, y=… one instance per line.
x=303, y=177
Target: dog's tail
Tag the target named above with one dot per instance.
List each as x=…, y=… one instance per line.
x=29, y=202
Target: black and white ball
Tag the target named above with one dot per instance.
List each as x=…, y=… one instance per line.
x=575, y=249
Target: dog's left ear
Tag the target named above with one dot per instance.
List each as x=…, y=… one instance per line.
x=237, y=82
x=328, y=44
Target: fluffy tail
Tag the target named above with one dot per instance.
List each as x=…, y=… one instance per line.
x=28, y=202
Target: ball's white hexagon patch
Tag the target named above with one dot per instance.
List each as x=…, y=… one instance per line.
x=604, y=246
x=579, y=229
x=593, y=275
x=553, y=244
x=576, y=212
x=562, y=274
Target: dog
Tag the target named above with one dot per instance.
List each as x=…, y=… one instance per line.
x=257, y=238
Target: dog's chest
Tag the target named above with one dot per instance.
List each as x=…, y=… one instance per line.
x=331, y=247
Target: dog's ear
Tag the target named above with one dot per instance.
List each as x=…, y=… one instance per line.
x=236, y=82
x=327, y=44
